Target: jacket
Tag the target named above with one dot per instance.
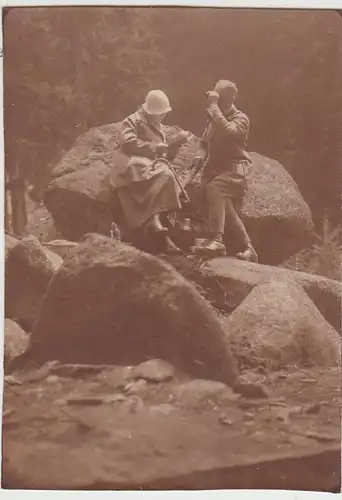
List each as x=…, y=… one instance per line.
x=136, y=152
x=225, y=139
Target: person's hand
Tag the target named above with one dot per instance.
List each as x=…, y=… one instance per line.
x=183, y=136
x=161, y=149
x=212, y=97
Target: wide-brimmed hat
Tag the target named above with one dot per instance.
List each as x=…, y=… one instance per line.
x=156, y=103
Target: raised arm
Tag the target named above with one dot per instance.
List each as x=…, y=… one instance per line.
x=131, y=144
x=239, y=125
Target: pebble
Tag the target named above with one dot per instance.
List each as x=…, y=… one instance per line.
x=135, y=386
x=313, y=409
x=154, y=370
x=225, y=421
x=251, y=390
x=248, y=416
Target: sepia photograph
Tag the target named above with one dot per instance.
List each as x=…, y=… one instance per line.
x=172, y=248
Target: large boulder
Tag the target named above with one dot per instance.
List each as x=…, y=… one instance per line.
x=111, y=303
x=28, y=271
x=278, y=326
x=237, y=278
x=275, y=213
x=79, y=196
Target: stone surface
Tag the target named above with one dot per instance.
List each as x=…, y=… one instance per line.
x=162, y=444
x=28, y=272
x=278, y=218
x=111, y=303
x=10, y=242
x=155, y=370
x=15, y=340
x=278, y=325
x=275, y=213
x=60, y=247
x=238, y=278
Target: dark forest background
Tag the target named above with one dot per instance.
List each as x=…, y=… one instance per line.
x=67, y=69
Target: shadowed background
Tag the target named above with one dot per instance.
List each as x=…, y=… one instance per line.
x=67, y=69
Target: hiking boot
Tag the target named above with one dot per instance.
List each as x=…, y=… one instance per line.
x=214, y=246
x=171, y=248
x=154, y=225
x=249, y=254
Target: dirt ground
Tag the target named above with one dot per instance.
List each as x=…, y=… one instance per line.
x=92, y=428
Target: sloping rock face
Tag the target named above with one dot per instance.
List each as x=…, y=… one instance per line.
x=111, y=303
x=28, y=271
x=277, y=325
x=238, y=278
x=80, y=200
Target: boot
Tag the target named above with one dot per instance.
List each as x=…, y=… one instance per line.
x=214, y=246
x=171, y=248
x=154, y=225
x=249, y=254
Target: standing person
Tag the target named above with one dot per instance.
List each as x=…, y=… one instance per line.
x=144, y=188
x=225, y=141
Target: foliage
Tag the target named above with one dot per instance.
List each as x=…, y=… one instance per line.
x=67, y=69
x=324, y=256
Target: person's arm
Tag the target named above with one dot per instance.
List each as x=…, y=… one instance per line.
x=131, y=144
x=237, y=126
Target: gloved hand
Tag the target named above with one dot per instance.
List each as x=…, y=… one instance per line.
x=161, y=149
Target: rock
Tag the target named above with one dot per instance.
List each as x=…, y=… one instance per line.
x=111, y=303
x=28, y=272
x=251, y=390
x=275, y=213
x=15, y=340
x=80, y=202
x=79, y=197
x=238, y=278
x=154, y=370
x=60, y=247
x=10, y=242
x=54, y=258
x=192, y=393
x=278, y=325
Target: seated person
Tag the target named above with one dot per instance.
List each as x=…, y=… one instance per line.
x=146, y=188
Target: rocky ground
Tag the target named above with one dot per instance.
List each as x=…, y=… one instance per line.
x=80, y=427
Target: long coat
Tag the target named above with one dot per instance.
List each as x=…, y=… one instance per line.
x=136, y=154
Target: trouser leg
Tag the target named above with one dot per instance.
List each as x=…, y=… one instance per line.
x=235, y=223
x=217, y=210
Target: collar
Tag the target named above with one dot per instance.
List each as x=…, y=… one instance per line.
x=144, y=118
x=230, y=111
